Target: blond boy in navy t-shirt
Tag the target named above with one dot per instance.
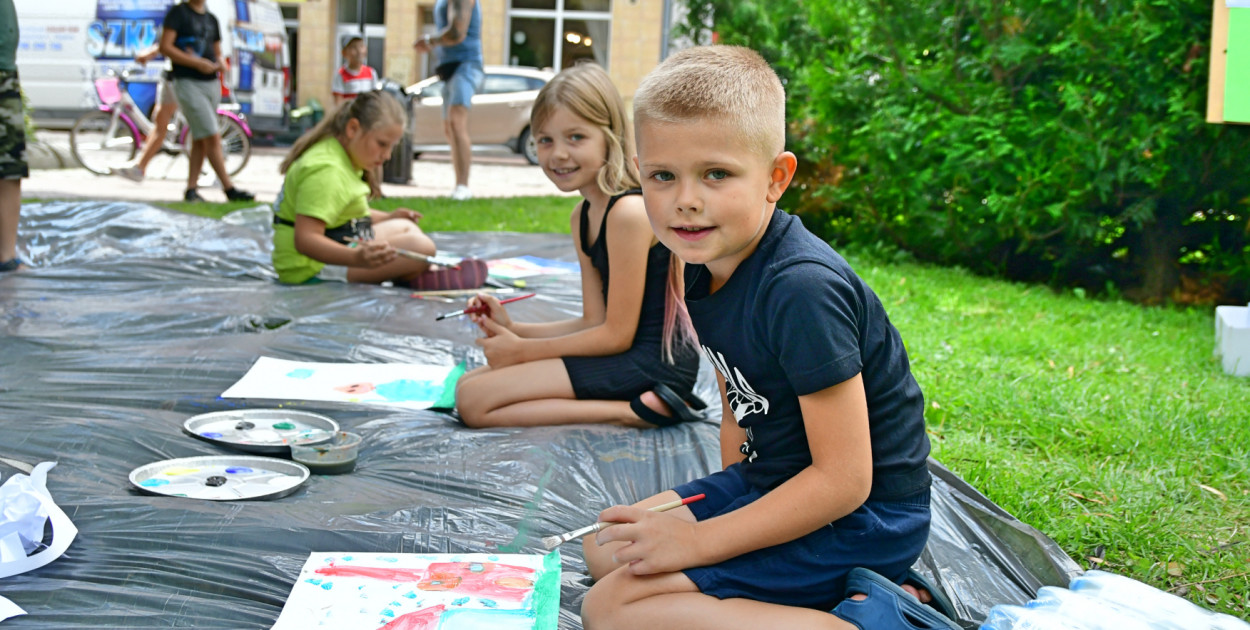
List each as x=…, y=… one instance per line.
x=823, y=504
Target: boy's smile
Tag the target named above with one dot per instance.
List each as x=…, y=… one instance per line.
x=709, y=194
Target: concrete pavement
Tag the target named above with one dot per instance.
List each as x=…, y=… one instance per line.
x=494, y=174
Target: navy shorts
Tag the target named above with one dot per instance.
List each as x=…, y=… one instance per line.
x=884, y=536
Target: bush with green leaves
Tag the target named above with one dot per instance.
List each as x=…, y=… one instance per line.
x=1060, y=141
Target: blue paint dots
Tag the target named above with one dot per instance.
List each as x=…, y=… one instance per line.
x=347, y=558
x=327, y=585
x=238, y=470
x=477, y=567
x=411, y=594
x=387, y=612
x=313, y=580
x=210, y=434
x=154, y=483
x=489, y=603
x=460, y=601
x=301, y=373
x=388, y=558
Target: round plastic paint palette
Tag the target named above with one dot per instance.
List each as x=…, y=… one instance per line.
x=262, y=430
x=220, y=478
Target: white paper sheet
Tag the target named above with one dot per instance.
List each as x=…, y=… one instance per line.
x=9, y=609
x=14, y=535
x=402, y=384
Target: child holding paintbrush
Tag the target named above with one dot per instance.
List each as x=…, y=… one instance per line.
x=610, y=365
x=324, y=228
x=823, y=504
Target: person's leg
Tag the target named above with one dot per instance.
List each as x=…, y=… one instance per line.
x=10, y=214
x=212, y=150
x=534, y=394
x=456, y=126
x=671, y=600
x=160, y=126
x=13, y=167
x=195, y=164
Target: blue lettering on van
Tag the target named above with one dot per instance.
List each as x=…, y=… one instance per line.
x=120, y=39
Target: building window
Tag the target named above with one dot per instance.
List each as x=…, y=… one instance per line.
x=559, y=33
x=362, y=11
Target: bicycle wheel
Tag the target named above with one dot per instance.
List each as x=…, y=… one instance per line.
x=98, y=142
x=236, y=146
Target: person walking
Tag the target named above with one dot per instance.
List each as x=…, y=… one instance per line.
x=459, y=43
x=191, y=39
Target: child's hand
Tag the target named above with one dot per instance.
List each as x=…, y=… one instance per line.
x=656, y=542
x=406, y=213
x=488, y=307
x=373, y=254
x=501, y=346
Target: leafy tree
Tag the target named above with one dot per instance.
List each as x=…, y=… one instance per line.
x=1049, y=140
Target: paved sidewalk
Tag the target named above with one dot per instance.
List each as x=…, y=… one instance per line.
x=493, y=175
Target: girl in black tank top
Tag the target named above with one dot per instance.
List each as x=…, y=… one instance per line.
x=610, y=365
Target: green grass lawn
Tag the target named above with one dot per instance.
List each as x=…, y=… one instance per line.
x=1108, y=426
x=515, y=214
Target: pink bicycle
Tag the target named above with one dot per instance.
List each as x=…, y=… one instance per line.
x=113, y=134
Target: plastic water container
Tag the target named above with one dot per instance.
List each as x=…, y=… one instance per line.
x=1004, y=617
x=1154, y=603
x=1099, y=600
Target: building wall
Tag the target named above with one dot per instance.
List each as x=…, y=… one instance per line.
x=635, y=48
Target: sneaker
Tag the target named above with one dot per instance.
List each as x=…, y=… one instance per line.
x=461, y=193
x=12, y=264
x=234, y=194
x=471, y=274
x=192, y=196
x=132, y=173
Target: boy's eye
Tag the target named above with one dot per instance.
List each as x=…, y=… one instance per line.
x=577, y=137
x=662, y=176
x=717, y=174
x=543, y=141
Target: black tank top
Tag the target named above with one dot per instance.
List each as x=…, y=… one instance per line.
x=651, y=317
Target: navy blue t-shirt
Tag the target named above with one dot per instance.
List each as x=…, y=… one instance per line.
x=196, y=34
x=795, y=319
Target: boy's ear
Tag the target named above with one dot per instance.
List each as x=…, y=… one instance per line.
x=637, y=166
x=783, y=168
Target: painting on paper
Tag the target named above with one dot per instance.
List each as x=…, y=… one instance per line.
x=402, y=384
x=528, y=266
x=377, y=591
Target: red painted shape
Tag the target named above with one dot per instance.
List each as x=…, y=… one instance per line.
x=424, y=619
x=476, y=579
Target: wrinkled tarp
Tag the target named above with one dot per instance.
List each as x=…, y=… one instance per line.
x=137, y=318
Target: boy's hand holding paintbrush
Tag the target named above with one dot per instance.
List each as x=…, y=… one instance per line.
x=653, y=543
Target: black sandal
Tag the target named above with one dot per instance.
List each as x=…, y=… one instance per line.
x=12, y=264
x=685, y=407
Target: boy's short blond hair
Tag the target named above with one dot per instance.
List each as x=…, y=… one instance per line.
x=729, y=83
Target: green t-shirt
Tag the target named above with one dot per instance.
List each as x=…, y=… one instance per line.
x=322, y=184
x=8, y=36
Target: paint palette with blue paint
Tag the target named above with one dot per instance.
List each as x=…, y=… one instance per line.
x=269, y=431
x=220, y=478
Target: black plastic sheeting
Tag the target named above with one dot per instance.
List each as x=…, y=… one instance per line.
x=137, y=318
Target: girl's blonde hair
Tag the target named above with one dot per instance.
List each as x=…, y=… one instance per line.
x=586, y=91
x=372, y=109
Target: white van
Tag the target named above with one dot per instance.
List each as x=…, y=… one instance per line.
x=65, y=44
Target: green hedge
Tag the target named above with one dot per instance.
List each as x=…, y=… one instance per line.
x=1063, y=141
